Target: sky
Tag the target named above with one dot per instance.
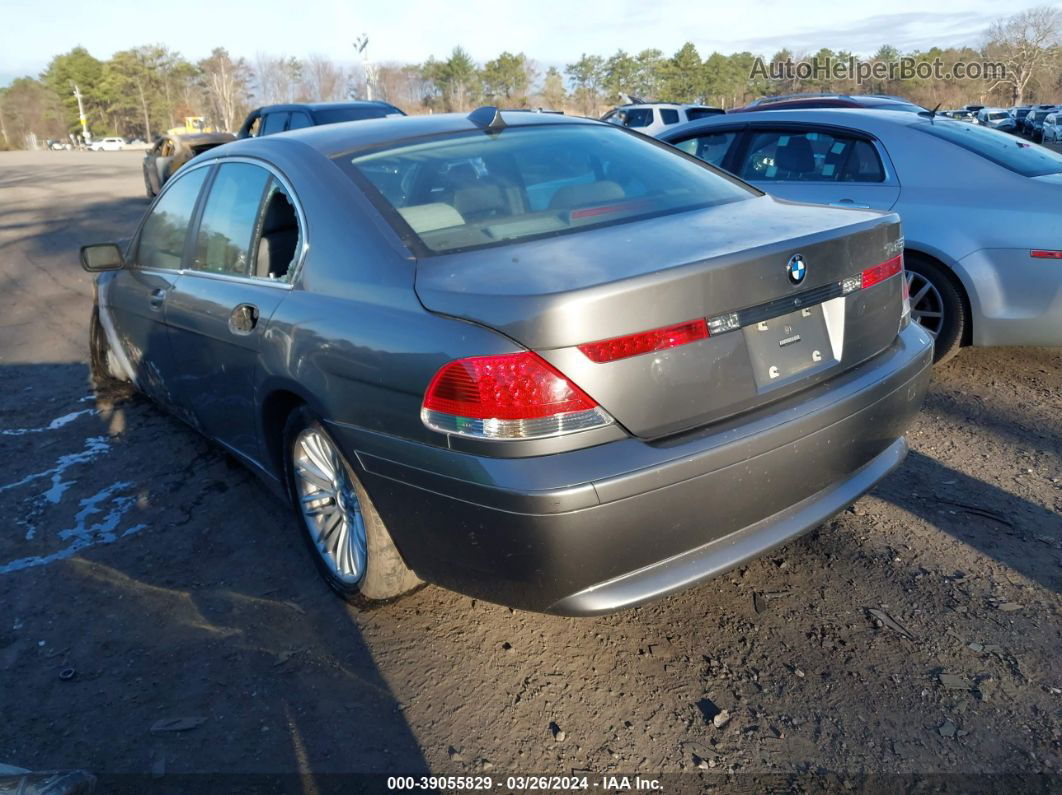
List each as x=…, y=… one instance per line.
x=552, y=32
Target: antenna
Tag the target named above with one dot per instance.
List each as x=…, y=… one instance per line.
x=487, y=116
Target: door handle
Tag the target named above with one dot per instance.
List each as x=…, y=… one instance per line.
x=849, y=204
x=158, y=296
x=243, y=319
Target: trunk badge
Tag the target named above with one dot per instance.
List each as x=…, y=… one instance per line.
x=796, y=269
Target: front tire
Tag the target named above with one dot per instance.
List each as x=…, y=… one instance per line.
x=102, y=363
x=348, y=540
x=936, y=305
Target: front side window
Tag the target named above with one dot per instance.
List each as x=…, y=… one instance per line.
x=299, y=120
x=1005, y=150
x=810, y=156
x=273, y=123
x=711, y=147
x=223, y=244
x=471, y=190
x=164, y=232
x=638, y=117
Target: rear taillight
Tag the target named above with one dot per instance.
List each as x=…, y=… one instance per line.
x=645, y=341
x=512, y=396
x=880, y=273
x=1043, y=253
x=875, y=274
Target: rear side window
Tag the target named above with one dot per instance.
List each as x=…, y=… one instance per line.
x=336, y=115
x=702, y=113
x=669, y=115
x=1004, y=150
x=810, y=156
x=711, y=147
x=166, y=228
x=472, y=190
x=230, y=215
x=273, y=123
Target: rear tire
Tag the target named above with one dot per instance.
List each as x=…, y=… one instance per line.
x=365, y=567
x=936, y=304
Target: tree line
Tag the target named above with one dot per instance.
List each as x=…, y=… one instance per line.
x=146, y=90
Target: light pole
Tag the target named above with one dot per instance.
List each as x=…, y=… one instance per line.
x=81, y=114
x=360, y=44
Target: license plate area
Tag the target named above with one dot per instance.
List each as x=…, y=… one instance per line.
x=787, y=347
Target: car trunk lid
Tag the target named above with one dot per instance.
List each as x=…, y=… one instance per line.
x=727, y=262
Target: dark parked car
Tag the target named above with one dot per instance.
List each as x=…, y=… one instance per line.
x=537, y=359
x=798, y=101
x=170, y=152
x=272, y=119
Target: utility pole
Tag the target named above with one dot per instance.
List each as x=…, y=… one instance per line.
x=81, y=114
x=360, y=44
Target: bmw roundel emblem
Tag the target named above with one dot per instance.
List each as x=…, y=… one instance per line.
x=796, y=268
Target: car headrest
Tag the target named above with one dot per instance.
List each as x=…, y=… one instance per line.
x=796, y=156
x=571, y=196
x=428, y=217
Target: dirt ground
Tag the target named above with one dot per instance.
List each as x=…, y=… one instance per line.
x=144, y=578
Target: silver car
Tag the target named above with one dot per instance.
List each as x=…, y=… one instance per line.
x=980, y=208
x=1052, y=129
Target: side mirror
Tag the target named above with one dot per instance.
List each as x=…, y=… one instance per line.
x=102, y=257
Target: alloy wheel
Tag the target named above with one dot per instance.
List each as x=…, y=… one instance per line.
x=927, y=305
x=328, y=501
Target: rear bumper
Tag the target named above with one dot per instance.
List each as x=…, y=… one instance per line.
x=612, y=526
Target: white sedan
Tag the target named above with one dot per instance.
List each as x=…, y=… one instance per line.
x=108, y=145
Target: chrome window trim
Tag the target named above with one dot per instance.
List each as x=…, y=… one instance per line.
x=300, y=258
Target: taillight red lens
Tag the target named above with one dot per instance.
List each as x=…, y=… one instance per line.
x=515, y=386
x=645, y=341
x=1043, y=253
x=880, y=273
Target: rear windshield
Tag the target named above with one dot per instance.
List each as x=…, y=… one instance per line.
x=479, y=189
x=336, y=115
x=1029, y=160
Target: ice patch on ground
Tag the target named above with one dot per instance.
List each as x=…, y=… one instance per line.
x=95, y=523
x=54, y=425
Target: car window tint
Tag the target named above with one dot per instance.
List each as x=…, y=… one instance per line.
x=279, y=235
x=299, y=120
x=639, y=117
x=356, y=113
x=998, y=147
x=163, y=235
x=810, y=156
x=230, y=215
x=273, y=123
x=710, y=147
x=702, y=113
x=469, y=190
x=669, y=115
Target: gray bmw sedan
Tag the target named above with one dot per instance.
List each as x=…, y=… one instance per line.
x=543, y=361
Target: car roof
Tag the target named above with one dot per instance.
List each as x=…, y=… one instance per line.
x=334, y=139
x=352, y=103
x=854, y=118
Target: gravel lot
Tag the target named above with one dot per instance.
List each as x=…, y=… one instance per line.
x=143, y=577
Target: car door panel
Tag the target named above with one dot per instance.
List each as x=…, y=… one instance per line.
x=220, y=312
x=136, y=296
